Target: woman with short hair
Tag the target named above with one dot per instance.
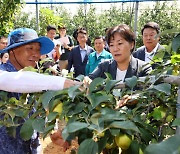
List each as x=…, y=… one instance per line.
x=121, y=41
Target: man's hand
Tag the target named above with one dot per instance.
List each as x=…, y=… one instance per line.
x=69, y=83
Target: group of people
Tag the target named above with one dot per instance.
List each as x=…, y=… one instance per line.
x=25, y=48
x=83, y=59
x=63, y=45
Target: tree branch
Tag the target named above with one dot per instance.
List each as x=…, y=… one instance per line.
x=172, y=79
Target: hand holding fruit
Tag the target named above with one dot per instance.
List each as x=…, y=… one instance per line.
x=127, y=100
x=87, y=81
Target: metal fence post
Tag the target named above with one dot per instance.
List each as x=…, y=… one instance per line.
x=178, y=111
x=37, y=16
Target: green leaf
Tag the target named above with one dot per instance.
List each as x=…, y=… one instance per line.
x=98, y=98
x=93, y=127
x=96, y=82
x=73, y=91
x=102, y=143
x=52, y=116
x=80, y=78
x=124, y=125
x=75, y=126
x=144, y=125
x=117, y=92
x=108, y=76
x=131, y=82
x=88, y=146
x=169, y=146
x=65, y=133
x=110, y=84
x=114, y=116
x=168, y=31
x=157, y=114
x=175, y=58
x=145, y=134
x=3, y=95
x=134, y=147
x=66, y=136
x=158, y=57
x=46, y=98
x=175, y=43
x=47, y=130
x=163, y=87
x=106, y=110
x=30, y=68
x=26, y=131
x=11, y=113
x=19, y=112
x=114, y=131
x=1, y=103
x=13, y=100
x=39, y=125
x=95, y=117
x=79, y=107
x=176, y=122
x=150, y=128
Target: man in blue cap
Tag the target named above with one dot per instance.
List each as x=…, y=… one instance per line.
x=28, y=82
x=25, y=48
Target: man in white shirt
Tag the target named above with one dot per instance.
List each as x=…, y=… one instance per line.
x=150, y=41
x=28, y=82
x=51, y=33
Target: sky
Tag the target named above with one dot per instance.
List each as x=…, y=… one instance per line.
x=100, y=6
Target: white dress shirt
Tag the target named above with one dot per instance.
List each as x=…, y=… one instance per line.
x=83, y=52
x=120, y=75
x=29, y=82
x=149, y=55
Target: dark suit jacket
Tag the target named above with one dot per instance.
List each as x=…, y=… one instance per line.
x=75, y=60
x=140, y=53
x=136, y=68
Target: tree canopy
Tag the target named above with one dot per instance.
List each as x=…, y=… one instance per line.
x=8, y=8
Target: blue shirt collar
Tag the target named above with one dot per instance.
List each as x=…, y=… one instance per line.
x=8, y=66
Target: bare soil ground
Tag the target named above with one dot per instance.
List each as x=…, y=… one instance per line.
x=51, y=148
x=48, y=147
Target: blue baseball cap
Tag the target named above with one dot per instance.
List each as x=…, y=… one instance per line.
x=22, y=36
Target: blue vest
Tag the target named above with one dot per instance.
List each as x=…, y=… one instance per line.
x=8, y=144
x=10, y=68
